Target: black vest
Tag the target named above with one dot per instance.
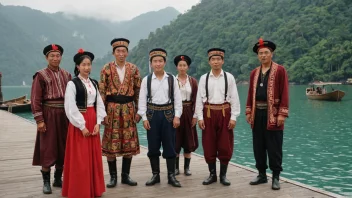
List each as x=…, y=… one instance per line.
x=171, y=88
x=81, y=94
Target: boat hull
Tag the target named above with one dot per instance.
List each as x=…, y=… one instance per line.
x=331, y=96
x=16, y=105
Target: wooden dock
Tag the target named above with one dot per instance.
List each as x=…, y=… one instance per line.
x=18, y=178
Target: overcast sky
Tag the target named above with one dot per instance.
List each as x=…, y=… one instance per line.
x=115, y=10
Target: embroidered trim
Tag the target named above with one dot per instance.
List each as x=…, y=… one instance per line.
x=283, y=111
x=271, y=93
x=37, y=114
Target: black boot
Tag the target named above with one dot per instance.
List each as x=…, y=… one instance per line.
x=186, y=167
x=212, y=177
x=276, y=184
x=113, y=174
x=57, y=178
x=46, y=181
x=223, y=179
x=125, y=173
x=171, y=173
x=155, y=164
x=177, y=170
x=260, y=179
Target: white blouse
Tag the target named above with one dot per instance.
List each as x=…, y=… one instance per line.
x=71, y=109
x=186, y=89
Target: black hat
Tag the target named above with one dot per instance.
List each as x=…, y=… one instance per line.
x=53, y=48
x=157, y=52
x=216, y=52
x=119, y=42
x=179, y=58
x=81, y=53
x=263, y=44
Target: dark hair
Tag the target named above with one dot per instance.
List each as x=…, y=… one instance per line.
x=113, y=49
x=215, y=55
x=151, y=59
x=79, y=61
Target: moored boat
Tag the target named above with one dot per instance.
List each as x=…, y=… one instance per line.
x=318, y=91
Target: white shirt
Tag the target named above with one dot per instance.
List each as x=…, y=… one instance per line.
x=186, y=89
x=216, y=88
x=159, y=95
x=121, y=72
x=71, y=109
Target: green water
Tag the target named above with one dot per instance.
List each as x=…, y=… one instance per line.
x=317, y=139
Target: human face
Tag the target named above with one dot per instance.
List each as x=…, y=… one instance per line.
x=158, y=63
x=120, y=54
x=265, y=56
x=54, y=59
x=85, y=67
x=182, y=67
x=216, y=62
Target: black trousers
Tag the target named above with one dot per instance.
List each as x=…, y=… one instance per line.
x=266, y=142
x=162, y=133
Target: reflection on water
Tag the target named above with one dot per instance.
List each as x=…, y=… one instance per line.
x=317, y=139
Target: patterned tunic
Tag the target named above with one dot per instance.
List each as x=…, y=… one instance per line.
x=120, y=134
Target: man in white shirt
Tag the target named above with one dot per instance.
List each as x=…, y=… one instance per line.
x=217, y=108
x=160, y=106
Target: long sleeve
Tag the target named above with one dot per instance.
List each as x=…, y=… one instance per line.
x=284, y=102
x=37, y=98
x=199, y=103
x=142, y=100
x=102, y=84
x=136, y=87
x=249, y=95
x=194, y=96
x=71, y=109
x=234, y=101
x=101, y=113
x=177, y=99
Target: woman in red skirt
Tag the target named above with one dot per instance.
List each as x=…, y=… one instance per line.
x=83, y=168
x=186, y=133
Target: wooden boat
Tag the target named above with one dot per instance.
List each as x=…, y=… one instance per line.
x=16, y=105
x=318, y=91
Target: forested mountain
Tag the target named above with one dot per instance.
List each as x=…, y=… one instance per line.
x=313, y=37
x=25, y=32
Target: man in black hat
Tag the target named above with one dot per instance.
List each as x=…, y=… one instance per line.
x=266, y=111
x=47, y=102
x=160, y=105
x=119, y=85
x=217, y=108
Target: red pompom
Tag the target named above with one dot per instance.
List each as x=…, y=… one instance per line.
x=81, y=51
x=182, y=58
x=261, y=42
x=54, y=47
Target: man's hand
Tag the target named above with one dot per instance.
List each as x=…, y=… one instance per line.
x=232, y=124
x=146, y=125
x=41, y=127
x=280, y=120
x=137, y=118
x=201, y=124
x=176, y=122
x=249, y=118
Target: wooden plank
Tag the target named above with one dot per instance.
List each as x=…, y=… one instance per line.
x=19, y=178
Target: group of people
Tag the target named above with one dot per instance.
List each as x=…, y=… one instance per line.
x=69, y=111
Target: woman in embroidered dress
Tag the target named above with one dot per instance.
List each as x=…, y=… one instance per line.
x=186, y=134
x=83, y=173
